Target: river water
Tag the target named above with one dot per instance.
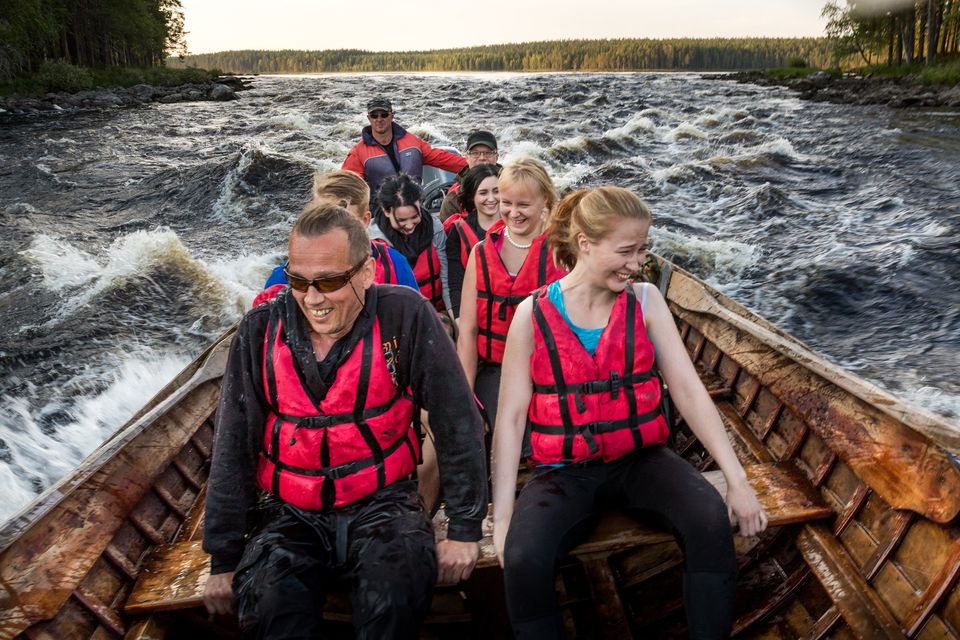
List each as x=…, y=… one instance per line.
x=129, y=239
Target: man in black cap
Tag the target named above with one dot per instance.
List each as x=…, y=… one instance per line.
x=386, y=149
x=481, y=149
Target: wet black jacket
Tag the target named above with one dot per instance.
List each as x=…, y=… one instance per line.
x=424, y=359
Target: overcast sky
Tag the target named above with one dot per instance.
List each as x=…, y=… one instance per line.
x=220, y=25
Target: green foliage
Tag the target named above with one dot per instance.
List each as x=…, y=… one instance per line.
x=58, y=75
x=791, y=72
x=91, y=33
x=797, y=63
x=870, y=33
x=712, y=54
x=945, y=74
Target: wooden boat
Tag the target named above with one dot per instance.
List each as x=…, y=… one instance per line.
x=863, y=492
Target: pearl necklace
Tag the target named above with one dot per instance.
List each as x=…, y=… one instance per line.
x=506, y=234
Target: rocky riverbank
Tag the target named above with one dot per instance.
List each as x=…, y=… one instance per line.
x=855, y=89
x=221, y=88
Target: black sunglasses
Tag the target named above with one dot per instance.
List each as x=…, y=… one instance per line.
x=326, y=284
x=379, y=114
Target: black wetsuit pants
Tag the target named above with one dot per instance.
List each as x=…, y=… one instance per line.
x=381, y=549
x=558, y=507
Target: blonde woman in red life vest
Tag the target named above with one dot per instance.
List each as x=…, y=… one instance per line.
x=582, y=364
x=503, y=269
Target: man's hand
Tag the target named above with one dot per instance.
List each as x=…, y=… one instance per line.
x=455, y=561
x=218, y=594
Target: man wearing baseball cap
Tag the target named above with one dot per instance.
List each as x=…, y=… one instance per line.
x=386, y=149
x=481, y=149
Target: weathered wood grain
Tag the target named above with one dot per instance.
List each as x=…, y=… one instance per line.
x=875, y=434
x=861, y=608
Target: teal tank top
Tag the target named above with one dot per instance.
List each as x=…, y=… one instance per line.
x=588, y=337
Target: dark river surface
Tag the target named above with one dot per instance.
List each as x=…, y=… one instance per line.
x=129, y=239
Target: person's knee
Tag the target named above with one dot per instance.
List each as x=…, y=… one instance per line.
x=520, y=558
x=707, y=538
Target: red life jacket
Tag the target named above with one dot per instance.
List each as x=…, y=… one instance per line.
x=498, y=294
x=358, y=439
x=457, y=223
x=427, y=273
x=385, y=272
x=593, y=407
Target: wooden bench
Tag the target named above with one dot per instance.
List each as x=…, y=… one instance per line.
x=174, y=576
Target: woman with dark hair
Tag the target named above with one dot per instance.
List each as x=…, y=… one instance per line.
x=480, y=195
x=417, y=235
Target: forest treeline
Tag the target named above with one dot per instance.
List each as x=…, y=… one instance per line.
x=90, y=33
x=713, y=54
x=904, y=32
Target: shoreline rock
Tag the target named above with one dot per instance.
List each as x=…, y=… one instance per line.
x=854, y=89
x=221, y=89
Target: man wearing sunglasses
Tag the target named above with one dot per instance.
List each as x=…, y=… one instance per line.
x=386, y=149
x=315, y=427
x=481, y=149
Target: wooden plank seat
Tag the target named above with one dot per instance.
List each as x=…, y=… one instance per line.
x=174, y=575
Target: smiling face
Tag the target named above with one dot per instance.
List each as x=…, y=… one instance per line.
x=487, y=197
x=523, y=209
x=404, y=218
x=613, y=259
x=329, y=315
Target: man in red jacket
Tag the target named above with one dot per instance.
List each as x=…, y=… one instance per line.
x=386, y=149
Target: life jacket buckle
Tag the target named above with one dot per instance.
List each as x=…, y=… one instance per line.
x=616, y=383
x=578, y=401
x=502, y=313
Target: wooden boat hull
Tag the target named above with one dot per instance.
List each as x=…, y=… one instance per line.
x=883, y=564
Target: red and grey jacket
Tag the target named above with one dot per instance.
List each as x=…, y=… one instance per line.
x=358, y=439
x=368, y=159
x=427, y=272
x=593, y=407
x=458, y=224
x=498, y=294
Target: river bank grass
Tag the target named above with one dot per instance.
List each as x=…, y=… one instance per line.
x=57, y=76
x=939, y=74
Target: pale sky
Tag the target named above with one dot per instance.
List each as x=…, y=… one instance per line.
x=381, y=25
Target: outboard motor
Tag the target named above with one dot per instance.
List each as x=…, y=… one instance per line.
x=435, y=184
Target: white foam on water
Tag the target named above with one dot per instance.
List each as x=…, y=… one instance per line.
x=434, y=133
x=725, y=261
x=522, y=148
x=571, y=175
x=575, y=143
x=637, y=123
x=291, y=121
x=227, y=206
x=242, y=278
x=777, y=146
x=686, y=130
x=38, y=459
x=67, y=268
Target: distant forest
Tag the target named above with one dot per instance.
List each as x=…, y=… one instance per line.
x=90, y=33
x=713, y=54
